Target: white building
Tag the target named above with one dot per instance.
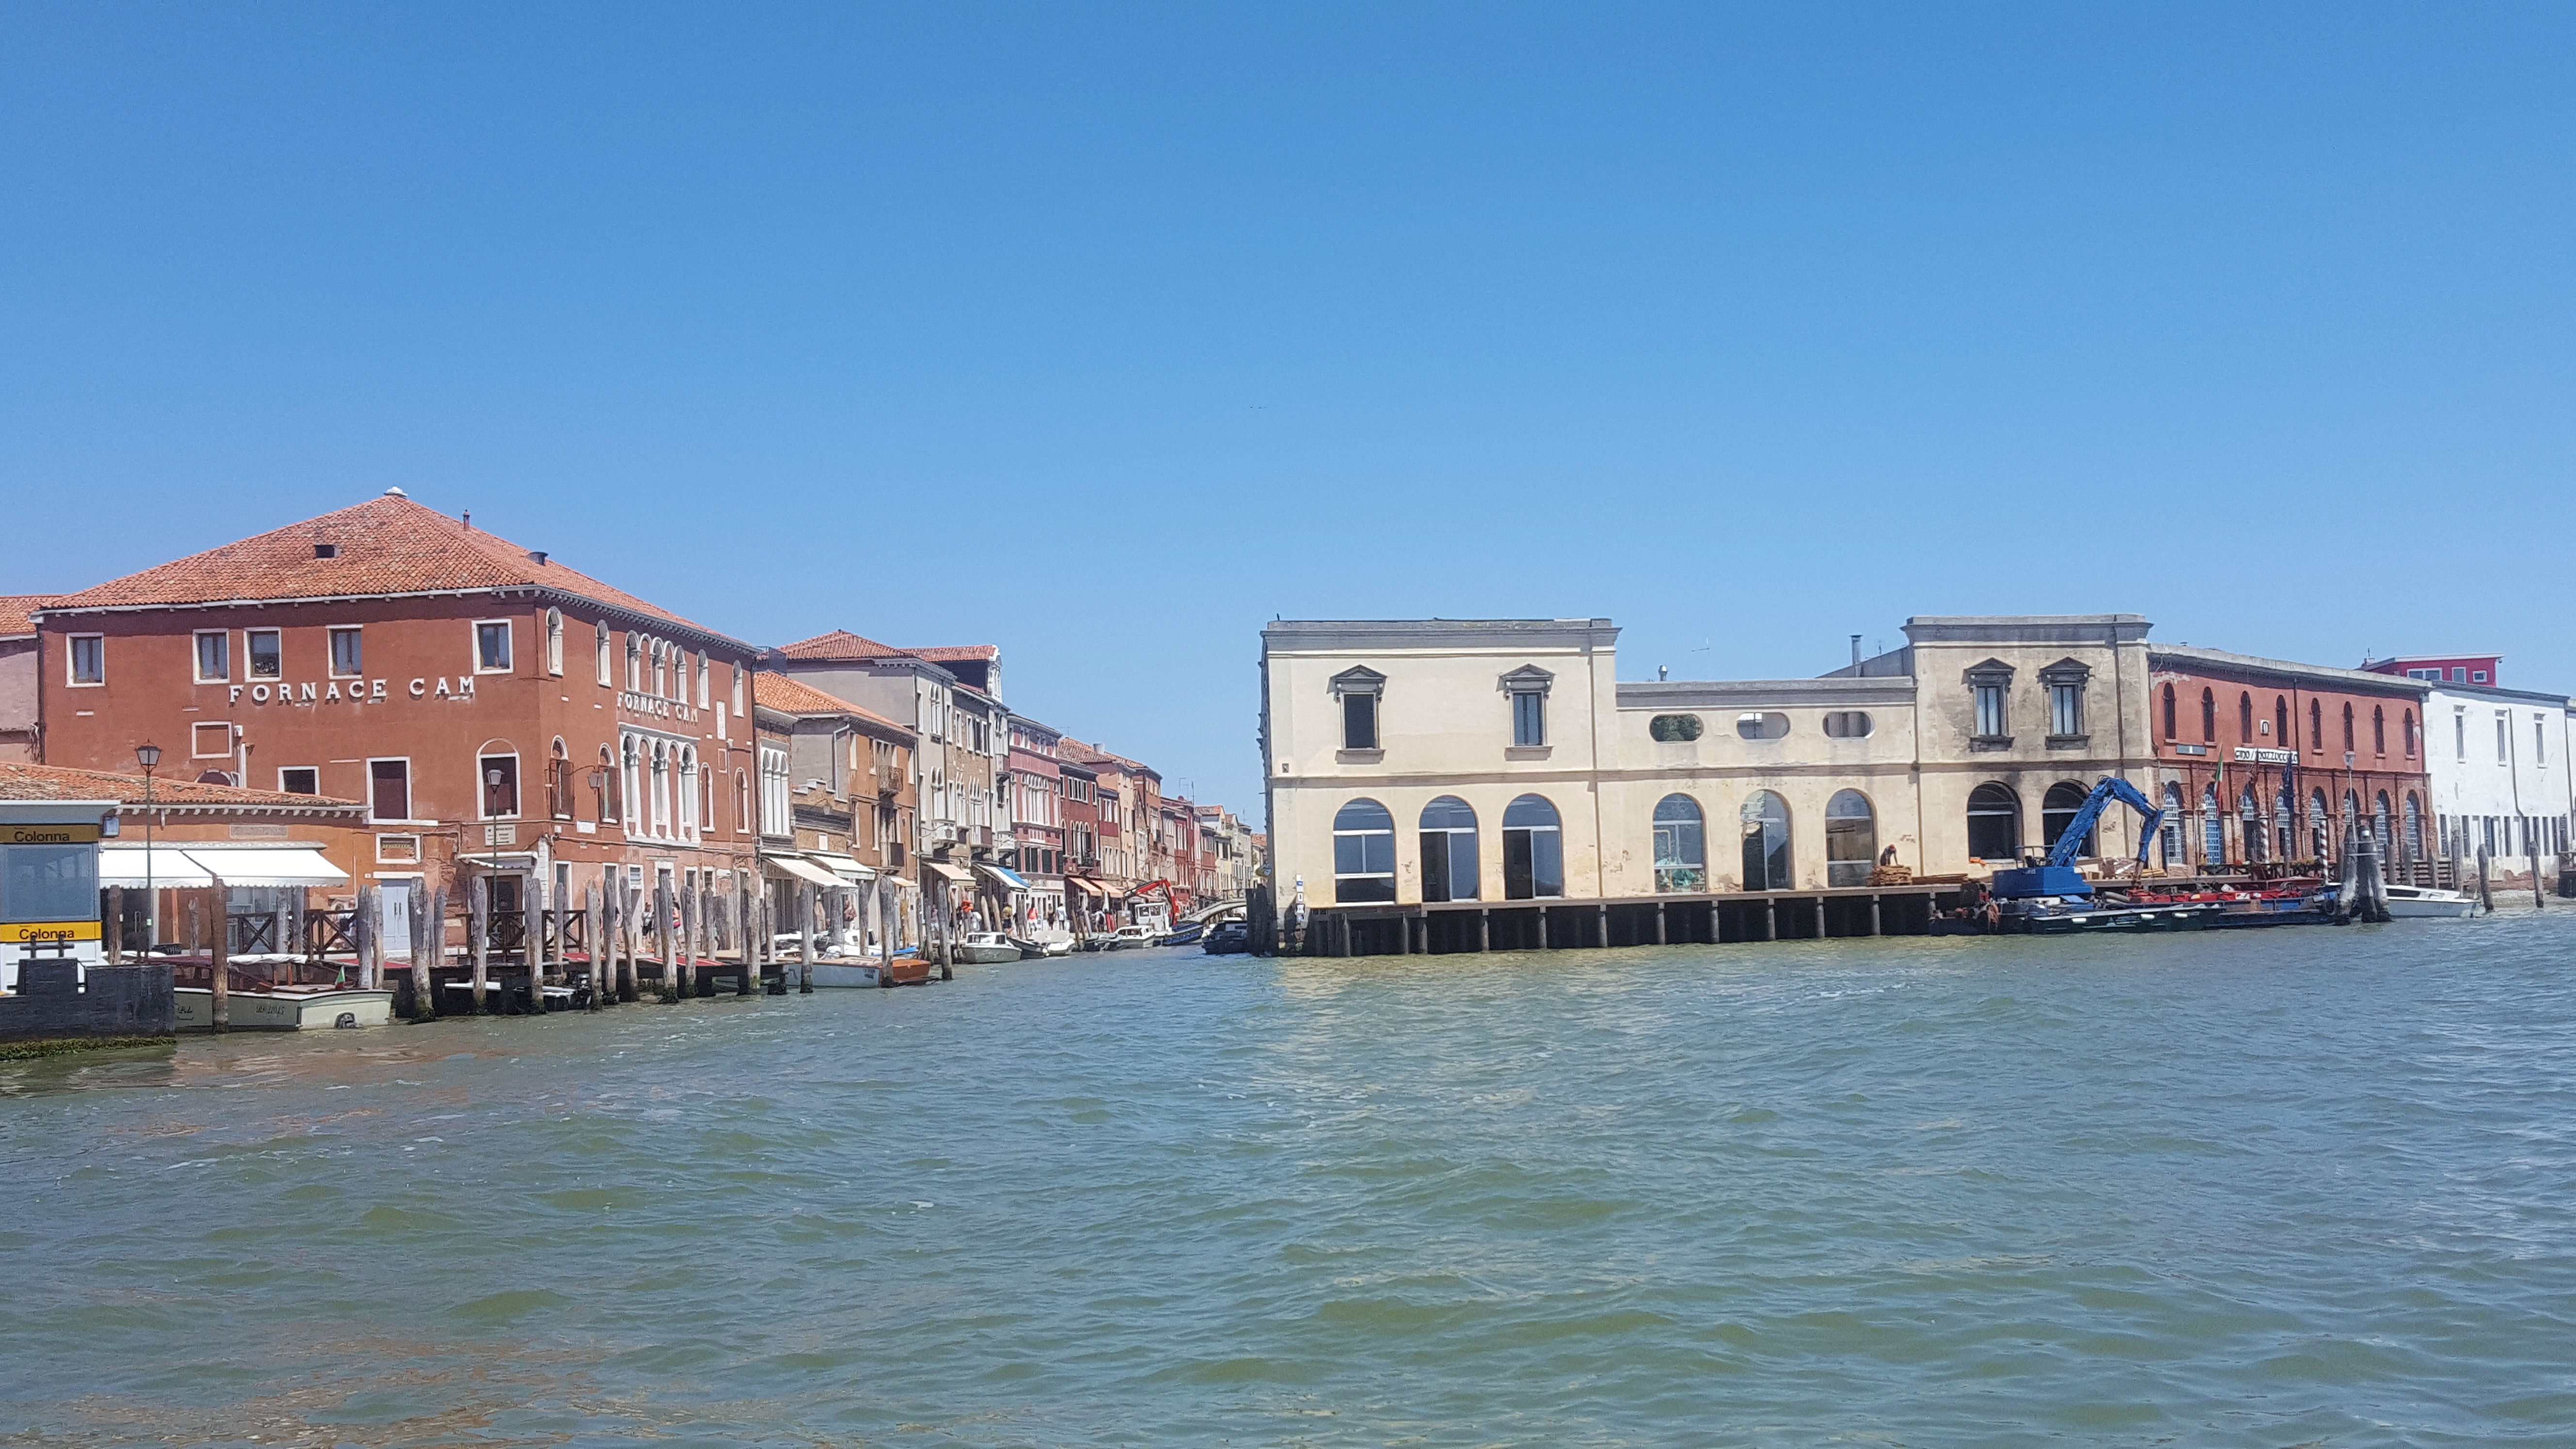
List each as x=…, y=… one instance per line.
x=2500, y=775
x=1425, y=763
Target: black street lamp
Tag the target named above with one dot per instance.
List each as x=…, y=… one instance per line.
x=149, y=756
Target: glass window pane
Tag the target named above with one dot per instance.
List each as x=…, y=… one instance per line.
x=49, y=883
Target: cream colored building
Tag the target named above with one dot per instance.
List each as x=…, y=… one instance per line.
x=1415, y=762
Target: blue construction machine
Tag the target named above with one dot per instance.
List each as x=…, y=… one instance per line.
x=2056, y=875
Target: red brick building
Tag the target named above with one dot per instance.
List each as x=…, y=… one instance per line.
x=2262, y=760
x=496, y=710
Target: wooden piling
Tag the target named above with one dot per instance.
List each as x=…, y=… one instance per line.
x=591, y=940
x=662, y=934
x=1874, y=924
x=478, y=926
x=222, y=1014
x=805, y=935
x=365, y=932
x=1484, y=929
x=749, y=980
x=428, y=940
x=1770, y=919
x=532, y=914
x=687, y=932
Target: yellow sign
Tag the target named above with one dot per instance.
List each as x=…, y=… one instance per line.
x=19, y=933
x=48, y=834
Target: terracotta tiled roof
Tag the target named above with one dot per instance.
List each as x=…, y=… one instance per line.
x=387, y=545
x=839, y=644
x=943, y=653
x=14, y=609
x=54, y=782
x=789, y=695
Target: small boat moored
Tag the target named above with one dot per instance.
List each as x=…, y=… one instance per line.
x=985, y=948
x=2414, y=902
x=282, y=1008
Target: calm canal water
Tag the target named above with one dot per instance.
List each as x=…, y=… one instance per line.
x=2299, y=1187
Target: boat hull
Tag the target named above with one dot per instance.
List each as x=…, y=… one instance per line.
x=2450, y=906
x=903, y=971
x=193, y=1009
x=2100, y=920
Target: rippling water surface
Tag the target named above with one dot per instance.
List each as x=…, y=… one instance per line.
x=2271, y=1188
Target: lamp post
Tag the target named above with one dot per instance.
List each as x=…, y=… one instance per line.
x=148, y=756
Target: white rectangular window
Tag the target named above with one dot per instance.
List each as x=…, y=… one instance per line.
x=215, y=657
x=348, y=654
x=299, y=780
x=2066, y=709
x=491, y=646
x=774, y=807
x=1529, y=717
x=267, y=653
x=2539, y=740
x=1990, y=711
x=706, y=679
x=2460, y=735
x=606, y=657
x=2502, y=744
x=88, y=659
x=554, y=641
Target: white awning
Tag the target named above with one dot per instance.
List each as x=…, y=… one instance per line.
x=195, y=866
x=800, y=869
x=269, y=865
x=123, y=865
x=948, y=872
x=840, y=865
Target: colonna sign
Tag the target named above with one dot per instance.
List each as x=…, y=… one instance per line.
x=49, y=882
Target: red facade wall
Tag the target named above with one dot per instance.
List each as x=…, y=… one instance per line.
x=419, y=698
x=2267, y=732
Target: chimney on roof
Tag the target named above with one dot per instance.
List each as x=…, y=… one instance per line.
x=536, y=556
x=1855, y=653
x=468, y=516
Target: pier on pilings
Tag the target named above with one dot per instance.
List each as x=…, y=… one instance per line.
x=1453, y=927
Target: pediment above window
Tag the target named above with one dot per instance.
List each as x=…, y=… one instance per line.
x=1993, y=671
x=1359, y=679
x=2066, y=671
x=1528, y=679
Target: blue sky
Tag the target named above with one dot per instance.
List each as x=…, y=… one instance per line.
x=1107, y=333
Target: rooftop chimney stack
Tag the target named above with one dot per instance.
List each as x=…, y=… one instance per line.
x=1855, y=653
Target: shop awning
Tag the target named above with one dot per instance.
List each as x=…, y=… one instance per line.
x=840, y=865
x=948, y=873
x=1092, y=887
x=798, y=868
x=123, y=865
x=1007, y=879
x=270, y=865
x=195, y=868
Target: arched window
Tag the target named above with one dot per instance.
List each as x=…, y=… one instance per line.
x=2245, y=719
x=2249, y=815
x=2410, y=734
x=2169, y=713
x=2169, y=832
x=634, y=662
x=2281, y=721
x=2347, y=729
x=688, y=791
x=2057, y=810
x=1363, y=853
x=661, y=788
x=1851, y=839
x=559, y=781
x=2378, y=730
x=1533, y=850
x=2316, y=725
x=1766, y=842
x=2213, y=829
x=1681, y=845
x=2352, y=822
x=2320, y=827
x=2379, y=823
x=2285, y=830
x=607, y=659
x=2208, y=716
x=554, y=641
x=1448, y=850
x=603, y=787
x=1994, y=823
x=2414, y=828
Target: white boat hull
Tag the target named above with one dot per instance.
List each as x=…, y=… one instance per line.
x=2434, y=905
x=193, y=1009
x=843, y=973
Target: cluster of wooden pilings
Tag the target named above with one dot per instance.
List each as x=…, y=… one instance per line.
x=601, y=951
x=1441, y=928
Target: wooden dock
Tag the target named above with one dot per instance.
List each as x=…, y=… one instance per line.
x=1450, y=927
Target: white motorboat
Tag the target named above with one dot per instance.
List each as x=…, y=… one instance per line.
x=986, y=948
x=2405, y=902
x=1131, y=938
x=866, y=971
x=282, y=1008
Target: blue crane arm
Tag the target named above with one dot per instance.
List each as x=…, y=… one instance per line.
x=2071, y=840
